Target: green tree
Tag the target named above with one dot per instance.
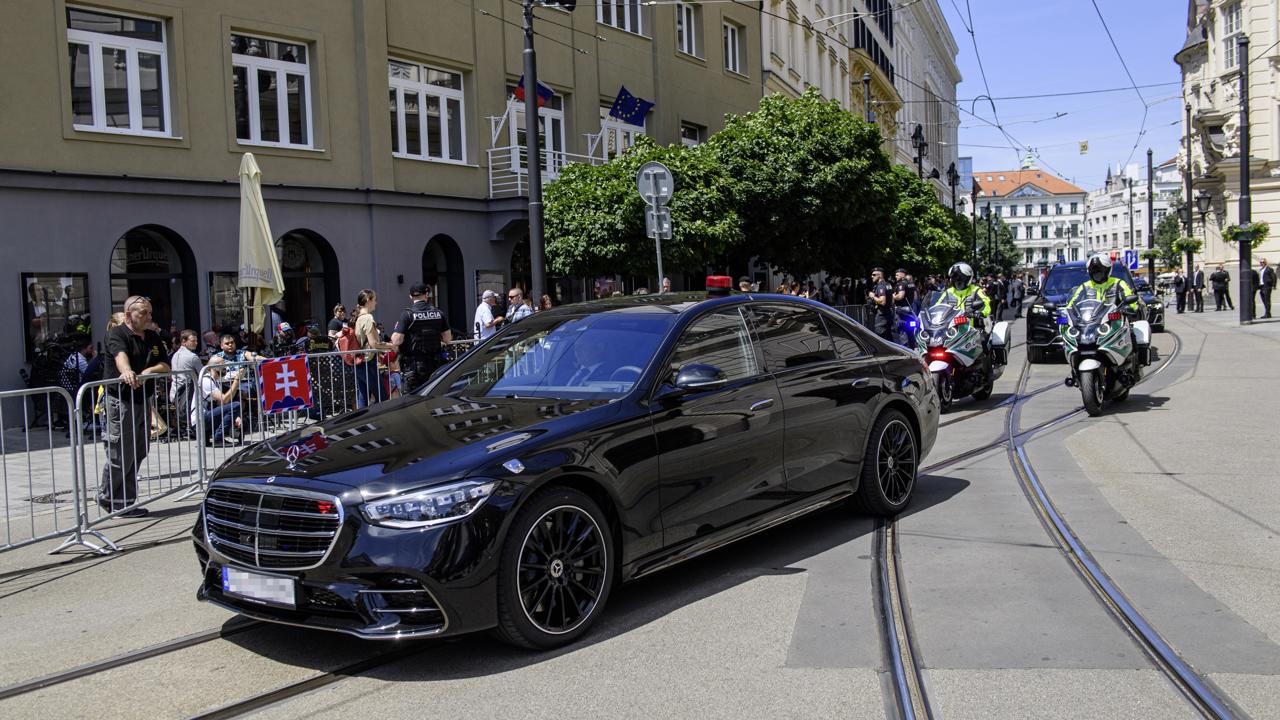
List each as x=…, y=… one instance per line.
x=927, y=237
x=1168, y=232
x=810, y=184
x=594, y=217
x=997, y=252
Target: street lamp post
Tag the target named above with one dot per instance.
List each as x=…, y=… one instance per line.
x=1151, y=223
x=866, y=96
x=534, y=153
x=1203, y=199
x=952, y=178
x=1245, y=238
x=987, y=217
x=1128, y=181
x=921, y=147
x=973, y=205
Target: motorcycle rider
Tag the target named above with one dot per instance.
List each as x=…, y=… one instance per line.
x=961, y=288
x=1102, y=286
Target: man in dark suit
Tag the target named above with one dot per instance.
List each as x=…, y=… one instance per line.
x=1197, y=288
x=1265, y=282
x=1218, y=280
x=1180, y=290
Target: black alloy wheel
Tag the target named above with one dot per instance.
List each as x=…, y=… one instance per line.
x=890, y=466
x=557, y=570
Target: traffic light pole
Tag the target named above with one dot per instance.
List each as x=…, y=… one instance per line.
x=534, y=158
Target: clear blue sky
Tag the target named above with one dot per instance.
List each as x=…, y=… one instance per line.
x=1046, y=46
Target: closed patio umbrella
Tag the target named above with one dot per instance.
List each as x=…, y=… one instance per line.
x=261, y=284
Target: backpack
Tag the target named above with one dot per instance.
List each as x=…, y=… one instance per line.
x=347, y=343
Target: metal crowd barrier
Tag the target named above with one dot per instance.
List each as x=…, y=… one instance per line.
x=127, y=448
x=138, y=446
x=860, y=314
x=40, y=471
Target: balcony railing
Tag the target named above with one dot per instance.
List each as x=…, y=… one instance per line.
x=509, y=173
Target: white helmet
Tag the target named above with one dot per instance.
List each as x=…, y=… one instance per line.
x=1099, y=267
x=960, y=275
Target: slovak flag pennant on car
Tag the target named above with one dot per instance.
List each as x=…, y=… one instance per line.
x=284, y=384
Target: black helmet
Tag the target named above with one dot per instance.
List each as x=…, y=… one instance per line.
x=1099, y=267
x=960, y=275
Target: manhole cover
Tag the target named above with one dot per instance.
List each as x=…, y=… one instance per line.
x=51, y=498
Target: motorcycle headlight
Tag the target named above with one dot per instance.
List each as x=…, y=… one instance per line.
x=1038, y=310
x=433, y=506
x=1155, y=305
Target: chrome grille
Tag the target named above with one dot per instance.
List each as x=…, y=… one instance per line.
x=271, y=528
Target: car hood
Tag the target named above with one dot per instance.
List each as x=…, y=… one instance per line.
x=1056, y=299
x=413, y=441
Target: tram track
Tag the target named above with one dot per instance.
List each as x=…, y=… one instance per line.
x=1202, y=694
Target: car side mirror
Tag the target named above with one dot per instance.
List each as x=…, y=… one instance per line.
x=699, y=376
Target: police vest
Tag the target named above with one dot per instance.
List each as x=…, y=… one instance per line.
x=422, y=335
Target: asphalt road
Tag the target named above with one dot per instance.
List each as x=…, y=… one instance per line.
x=1173, y=492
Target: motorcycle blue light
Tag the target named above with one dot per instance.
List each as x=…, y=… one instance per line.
x=1062, y=320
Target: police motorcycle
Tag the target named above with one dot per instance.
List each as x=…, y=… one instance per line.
x=961, y=356
x=1105, y=349
x=908, y=326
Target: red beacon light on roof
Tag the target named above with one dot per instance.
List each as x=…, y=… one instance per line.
x=718, y=285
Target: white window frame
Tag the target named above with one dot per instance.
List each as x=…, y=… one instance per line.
x=282, y=69
x=616, y=135
x=621, y=14
x=691, y=142
x=732, y=36
x=553, y=158
x=1232, y=25
x=689, y=29
x=96, y=42
x=403, y=86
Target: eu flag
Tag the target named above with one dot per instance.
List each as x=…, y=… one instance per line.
x=628, y=108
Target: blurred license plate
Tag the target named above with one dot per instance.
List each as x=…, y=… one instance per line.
x=255, y=586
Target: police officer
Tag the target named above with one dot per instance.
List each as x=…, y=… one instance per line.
x=881, y=299
x=418, y=334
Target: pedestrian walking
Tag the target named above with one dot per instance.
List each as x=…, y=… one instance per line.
x=1017, y=293
x=1180, y=290
x=1197, y=288
x=135, y=352
x=1218, y=281
x=368, y=384
x=1265, y=282
x=486, y=321
x=417, y=337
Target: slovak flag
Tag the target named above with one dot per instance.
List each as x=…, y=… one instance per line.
x=544, y=93
x=284, y=384
x=628, y=108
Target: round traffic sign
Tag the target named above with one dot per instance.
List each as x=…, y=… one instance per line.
x=655, y=183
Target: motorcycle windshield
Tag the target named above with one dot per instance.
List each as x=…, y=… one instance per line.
x=935, y=322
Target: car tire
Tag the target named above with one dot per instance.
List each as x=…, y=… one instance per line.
x=1035, y=355
x=891, y=446
x=1157, y=328
x=556, y=570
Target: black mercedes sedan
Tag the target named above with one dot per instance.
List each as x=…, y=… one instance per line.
x=579, y=448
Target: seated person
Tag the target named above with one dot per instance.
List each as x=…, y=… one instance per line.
x=215, y=407
x=232, y=354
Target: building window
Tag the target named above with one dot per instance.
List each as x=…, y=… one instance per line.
x=733, y=61
x=616, y=136
x=691, y=134
x=1057, y=208
x=428, y=112
x=1031, y=255
x=271, y=83
x=1231, y=27
x=119, y=73
x=999, y=210
x=1074, y=207
x=1075, y=230
x=1044, y=208
x=1027, y=207
x=1044, y=231
x=1044, y=254
x=1075, y=254
x=1013, y=229
x=689, y=29
x=1013, y=211
x=550, y=133
x=622, y=14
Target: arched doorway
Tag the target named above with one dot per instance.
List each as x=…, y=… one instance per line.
x=521, y=264
x=442, y=272
x=310, y=271
x=155, y=262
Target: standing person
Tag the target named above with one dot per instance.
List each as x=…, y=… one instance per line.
x=1180, y=290
x=901, y=290
x=186, y=369
x=417, y=337
x=1017, y=293
x=1197, y=289
x=517, y=309
x=744, y=284
x=368, y=385
x=1266, y=282
x=1218, y=281
x=1226, y=289
x=666, y=287
x=485, y=321
x=134, y=352
x=337, y=322
x=546, y=304
x=881, y=298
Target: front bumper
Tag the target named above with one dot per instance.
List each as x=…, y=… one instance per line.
x=378, y=582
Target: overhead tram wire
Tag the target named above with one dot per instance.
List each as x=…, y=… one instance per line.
x=1146, y=107
x=549, y=21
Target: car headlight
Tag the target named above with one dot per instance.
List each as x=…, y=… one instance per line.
x=1038, y=310
x=433, y=506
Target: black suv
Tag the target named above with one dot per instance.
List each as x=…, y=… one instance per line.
x=1042, y=321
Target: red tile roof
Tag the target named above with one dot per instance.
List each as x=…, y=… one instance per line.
x=994, y=186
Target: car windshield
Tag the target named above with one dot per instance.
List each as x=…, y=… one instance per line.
x=599, y=356
x=1064, y=279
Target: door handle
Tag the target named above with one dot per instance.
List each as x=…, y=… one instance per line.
x=861, y=382
x=759, y=405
